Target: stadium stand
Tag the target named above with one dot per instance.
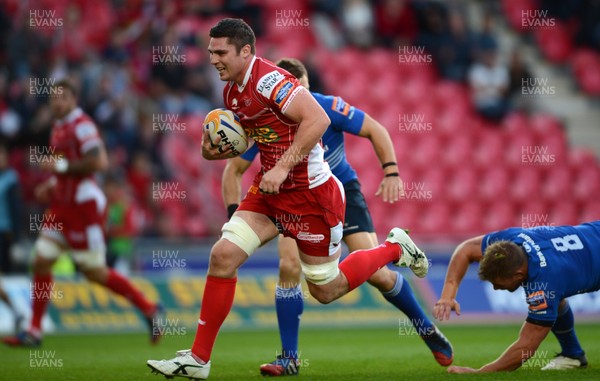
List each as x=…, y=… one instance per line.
x=465, y=175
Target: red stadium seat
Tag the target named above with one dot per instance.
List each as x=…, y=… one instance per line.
x=557, y=184
x=586, y=65
x=458, y=152
x=586, y=186
x=467, y=218
x=545, y=125
x=580, y=158
x=564, y=213
x=436, y=218
x=590, y=212
x=488, y=152
x=428, y=150
x=495, y=183
x=433, y=180
x=463, y=185
x=499, y=215
x=526, y=183
x=555, y=42
x=515, y=122
x=533, y=211
x=513, y=10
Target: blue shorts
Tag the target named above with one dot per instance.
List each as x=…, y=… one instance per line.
x=358, y=218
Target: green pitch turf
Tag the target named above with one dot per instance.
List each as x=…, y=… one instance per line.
x=328, y=354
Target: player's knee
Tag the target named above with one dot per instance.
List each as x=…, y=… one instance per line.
x=97, y=275
x=46, y=253
x=222, y=263
x=321, y=280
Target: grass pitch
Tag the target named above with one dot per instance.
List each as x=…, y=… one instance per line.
x=327, y=354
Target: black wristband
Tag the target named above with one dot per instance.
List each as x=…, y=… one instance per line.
x=393, y=174
x=231, y=209
x=388, y=164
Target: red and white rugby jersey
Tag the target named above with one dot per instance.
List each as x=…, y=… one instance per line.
x=260, y=103
x=71, y=137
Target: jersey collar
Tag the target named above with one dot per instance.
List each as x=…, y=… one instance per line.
x=247, y=76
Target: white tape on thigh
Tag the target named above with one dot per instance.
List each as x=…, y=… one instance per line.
x=89, y=259
x=238, y=232
x=321, y=274
x=46, y=248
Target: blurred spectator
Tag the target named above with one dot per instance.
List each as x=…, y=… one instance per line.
x=358, y=22
x=126, y=220
x=489, y=82
x=486, y=37
x=140, y=177
x=10, y=210
x=455, y=53
x=396, y=23
x=432, y=29
x=518, y=73
x=588, y=17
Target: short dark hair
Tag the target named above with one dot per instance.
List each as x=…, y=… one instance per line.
x=501, y=260
x=238, y=33
x=66, y=84
x=293, y=66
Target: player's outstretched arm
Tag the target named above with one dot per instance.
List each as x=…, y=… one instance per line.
x=530, y=338
x=231, y=183
x=313, y=120
x=466, y=253
x=391, y=188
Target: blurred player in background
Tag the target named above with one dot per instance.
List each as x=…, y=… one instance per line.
x=550, y=263
x=359, y=232
x=10, y=202
x=286, y=123
x=78, y=212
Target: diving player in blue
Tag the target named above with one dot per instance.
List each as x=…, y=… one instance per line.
x=358, y=232
x=550, y=263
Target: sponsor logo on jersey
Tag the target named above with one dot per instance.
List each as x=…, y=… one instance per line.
x=267, y=83
x=537, y=301
x=283, y=91
x=340, y=106
x=312, y=238
x=263, y=134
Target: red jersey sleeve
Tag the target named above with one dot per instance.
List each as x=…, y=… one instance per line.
x=278, y=88
x=87, y=136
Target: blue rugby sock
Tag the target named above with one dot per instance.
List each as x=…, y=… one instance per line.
x=402, y=296
x=289, y=305
x=564, y=330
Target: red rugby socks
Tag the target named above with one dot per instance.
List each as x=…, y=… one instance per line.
x=216, y=304
x=361, y=264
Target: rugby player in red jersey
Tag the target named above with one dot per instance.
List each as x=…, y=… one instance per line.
x=76, y=216
x=286, y=123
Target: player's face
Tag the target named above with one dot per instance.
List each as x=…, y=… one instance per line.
x=229, y=63
x=510, y=284
x=62, y=104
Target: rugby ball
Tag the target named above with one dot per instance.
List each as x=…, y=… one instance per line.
x=225, y=124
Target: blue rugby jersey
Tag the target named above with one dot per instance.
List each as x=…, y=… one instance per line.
x=562, y=261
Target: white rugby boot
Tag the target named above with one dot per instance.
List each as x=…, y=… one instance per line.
x=411, y=256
